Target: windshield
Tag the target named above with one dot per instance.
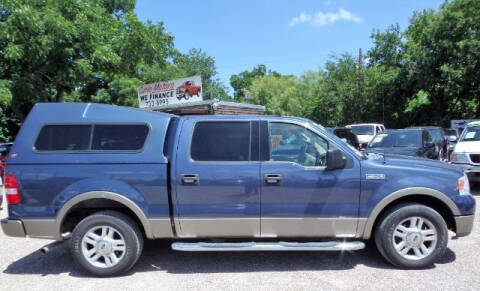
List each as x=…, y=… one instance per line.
x=363, y=129
x=397, y=139
x=471, y=133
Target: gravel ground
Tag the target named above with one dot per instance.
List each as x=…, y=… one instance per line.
x=24, y=268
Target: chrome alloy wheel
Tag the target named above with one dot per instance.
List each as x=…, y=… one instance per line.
x=103, y=246
x=415, y=238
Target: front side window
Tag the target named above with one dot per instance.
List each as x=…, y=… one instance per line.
x=63, y=138
x=293, y=143
x=221, y=141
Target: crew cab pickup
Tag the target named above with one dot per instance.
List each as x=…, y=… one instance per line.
x=106, y=177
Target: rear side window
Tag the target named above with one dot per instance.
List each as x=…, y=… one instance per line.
x=221, y=141
x=117, y=137
x=63, y=138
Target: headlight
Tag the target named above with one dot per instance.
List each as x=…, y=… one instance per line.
x=463, y=186
x=459, y=158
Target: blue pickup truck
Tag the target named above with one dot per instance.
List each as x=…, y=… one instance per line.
x=105, y=177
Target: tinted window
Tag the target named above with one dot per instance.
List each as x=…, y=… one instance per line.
x=125, y=137
x=293, y=143
x=63, y=138
x=221, y=141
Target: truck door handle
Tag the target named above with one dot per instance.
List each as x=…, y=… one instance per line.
x=272, y=179
x=190, y=179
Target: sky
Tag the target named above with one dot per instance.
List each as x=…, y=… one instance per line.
x=289, y=37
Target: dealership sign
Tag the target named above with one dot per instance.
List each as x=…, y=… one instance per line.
x=170, y=92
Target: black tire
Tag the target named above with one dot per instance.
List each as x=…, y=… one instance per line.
x=388, y=223
x=123, y=224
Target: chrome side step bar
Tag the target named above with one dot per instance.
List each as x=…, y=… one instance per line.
x=268, y=246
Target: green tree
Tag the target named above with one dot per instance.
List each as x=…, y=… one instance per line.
x=90, y=51
x=197, y=62
x=388, y=85
x=243, y=80
x=278, y=93
x=52, y=48
x=443, y=57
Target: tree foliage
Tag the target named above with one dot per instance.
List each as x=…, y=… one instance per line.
x=87, y=50
x=243, y=80
x=99, y=51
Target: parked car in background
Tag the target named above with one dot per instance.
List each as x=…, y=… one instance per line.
x=407, y=142
x=106, y=177
x=366, y=131
x=346, y=135
x=440, y=139
x=4, y=149
x=452, y=135
x=467, y=151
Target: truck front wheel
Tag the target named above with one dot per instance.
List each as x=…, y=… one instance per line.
x=106, y=243
x=412, y=236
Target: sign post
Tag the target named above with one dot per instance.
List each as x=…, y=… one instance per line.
x=177, y=91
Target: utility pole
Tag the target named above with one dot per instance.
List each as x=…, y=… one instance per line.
x=359, y=82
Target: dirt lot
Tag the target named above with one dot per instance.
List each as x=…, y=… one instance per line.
x=22, y=267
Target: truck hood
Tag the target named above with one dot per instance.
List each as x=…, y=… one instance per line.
x=405, y=151
x=468, y=147
x=415, y=162
x=364, y=138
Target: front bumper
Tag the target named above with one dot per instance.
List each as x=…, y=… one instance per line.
x=13, y=227
x=464, y=224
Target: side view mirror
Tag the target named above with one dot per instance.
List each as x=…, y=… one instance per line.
x=452, y=138
x=335, y=159
x=429, y=144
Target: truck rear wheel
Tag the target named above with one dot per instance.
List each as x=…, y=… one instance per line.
x=412, y=236
x=106, y=243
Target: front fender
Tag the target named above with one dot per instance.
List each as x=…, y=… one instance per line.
x=365, y=231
